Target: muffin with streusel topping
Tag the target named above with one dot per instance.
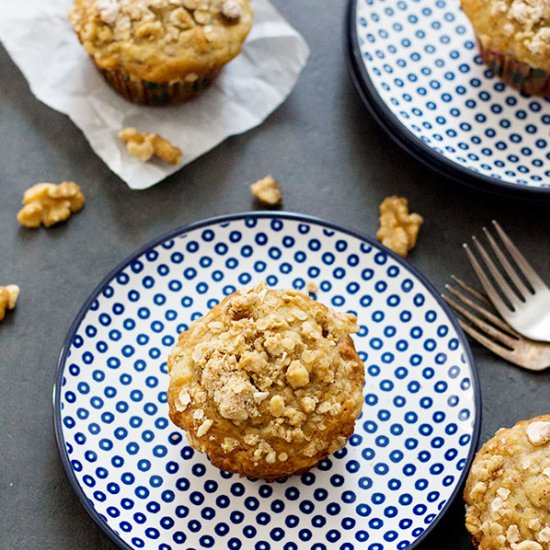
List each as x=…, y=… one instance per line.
x=267, y=383
x=514, y=40
x=507, y=493
x=160, y=52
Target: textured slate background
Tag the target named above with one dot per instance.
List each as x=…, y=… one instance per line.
x=333, y=161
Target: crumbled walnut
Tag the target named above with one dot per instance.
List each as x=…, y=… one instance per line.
x=48, y=203
x=398, y=229
x=308, y=404
x=276, y=405
x=267, y=191
x=512, y=535
x=478, y=490
x=183, y=400
x=229, y=444
x=8, y=298
x=204, y=427
x=202, y=17
x=271, y=457
x=544, y=535
x=145, y=145
x=231, y=10
x=527, y=545
x=260, y=396
x=534, y=524
x=538, y=433
x=190, y=4
x=297, y=375
x=198, y=414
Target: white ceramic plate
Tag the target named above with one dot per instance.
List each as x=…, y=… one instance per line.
x=146, y=488
x=417, y=67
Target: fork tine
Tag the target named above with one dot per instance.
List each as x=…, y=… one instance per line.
x=471, y=290
x=487, y=285
x=501, y=337
x=489, y=344
x=530, y=274
x=523, y=290
x=482, y=311
x=497, y=276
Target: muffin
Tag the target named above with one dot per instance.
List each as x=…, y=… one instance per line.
x=514, y=40
x=508, y=489
x=267, y=383
x=161, y=52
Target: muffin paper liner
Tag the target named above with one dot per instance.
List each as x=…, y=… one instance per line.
x=61, y=75
x=516, y=73
x=150, y=93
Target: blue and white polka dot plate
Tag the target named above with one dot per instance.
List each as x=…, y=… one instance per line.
x=146, y=488
x=416, y=65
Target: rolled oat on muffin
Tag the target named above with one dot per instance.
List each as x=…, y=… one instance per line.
x=161, y=52
x=267, y=383
x=514, y=40
x=507, y=492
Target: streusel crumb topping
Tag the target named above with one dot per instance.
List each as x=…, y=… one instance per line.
x=271, y=368
x=508, y=489
x=179, y=33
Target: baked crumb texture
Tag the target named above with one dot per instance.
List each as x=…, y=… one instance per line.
x=508, y=489
x=267, y=383
x=268, y=192
x=8, y=298
x=398, y=229
x=47, y=204
x=161, y=40
x=144, y=146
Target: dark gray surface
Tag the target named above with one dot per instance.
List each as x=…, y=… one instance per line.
x=333, y=161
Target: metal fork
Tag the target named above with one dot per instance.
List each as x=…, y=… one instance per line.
x=523, y=303
x=493, y=332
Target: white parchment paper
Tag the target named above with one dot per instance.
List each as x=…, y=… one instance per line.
x=40, y=40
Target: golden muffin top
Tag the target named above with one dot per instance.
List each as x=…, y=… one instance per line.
x=161, y=40
x=508, y=489
x=517, y=27
x=270, y=377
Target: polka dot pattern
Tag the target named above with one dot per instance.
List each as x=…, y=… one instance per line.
x=424, y=64
x=148, y=488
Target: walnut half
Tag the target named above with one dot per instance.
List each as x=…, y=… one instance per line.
x=8, y=298
x=398, y=229
x=144, y=146
x=48, y=203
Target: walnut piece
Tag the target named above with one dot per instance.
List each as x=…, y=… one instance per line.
x=398, y=229
x=8, y=298
x=267, y=191
x=144, y=146
x=538, y=433
x=48, y=203
x=231, y=11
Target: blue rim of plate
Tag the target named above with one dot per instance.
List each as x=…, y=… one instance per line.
x=58, y=425
x=385, y=117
